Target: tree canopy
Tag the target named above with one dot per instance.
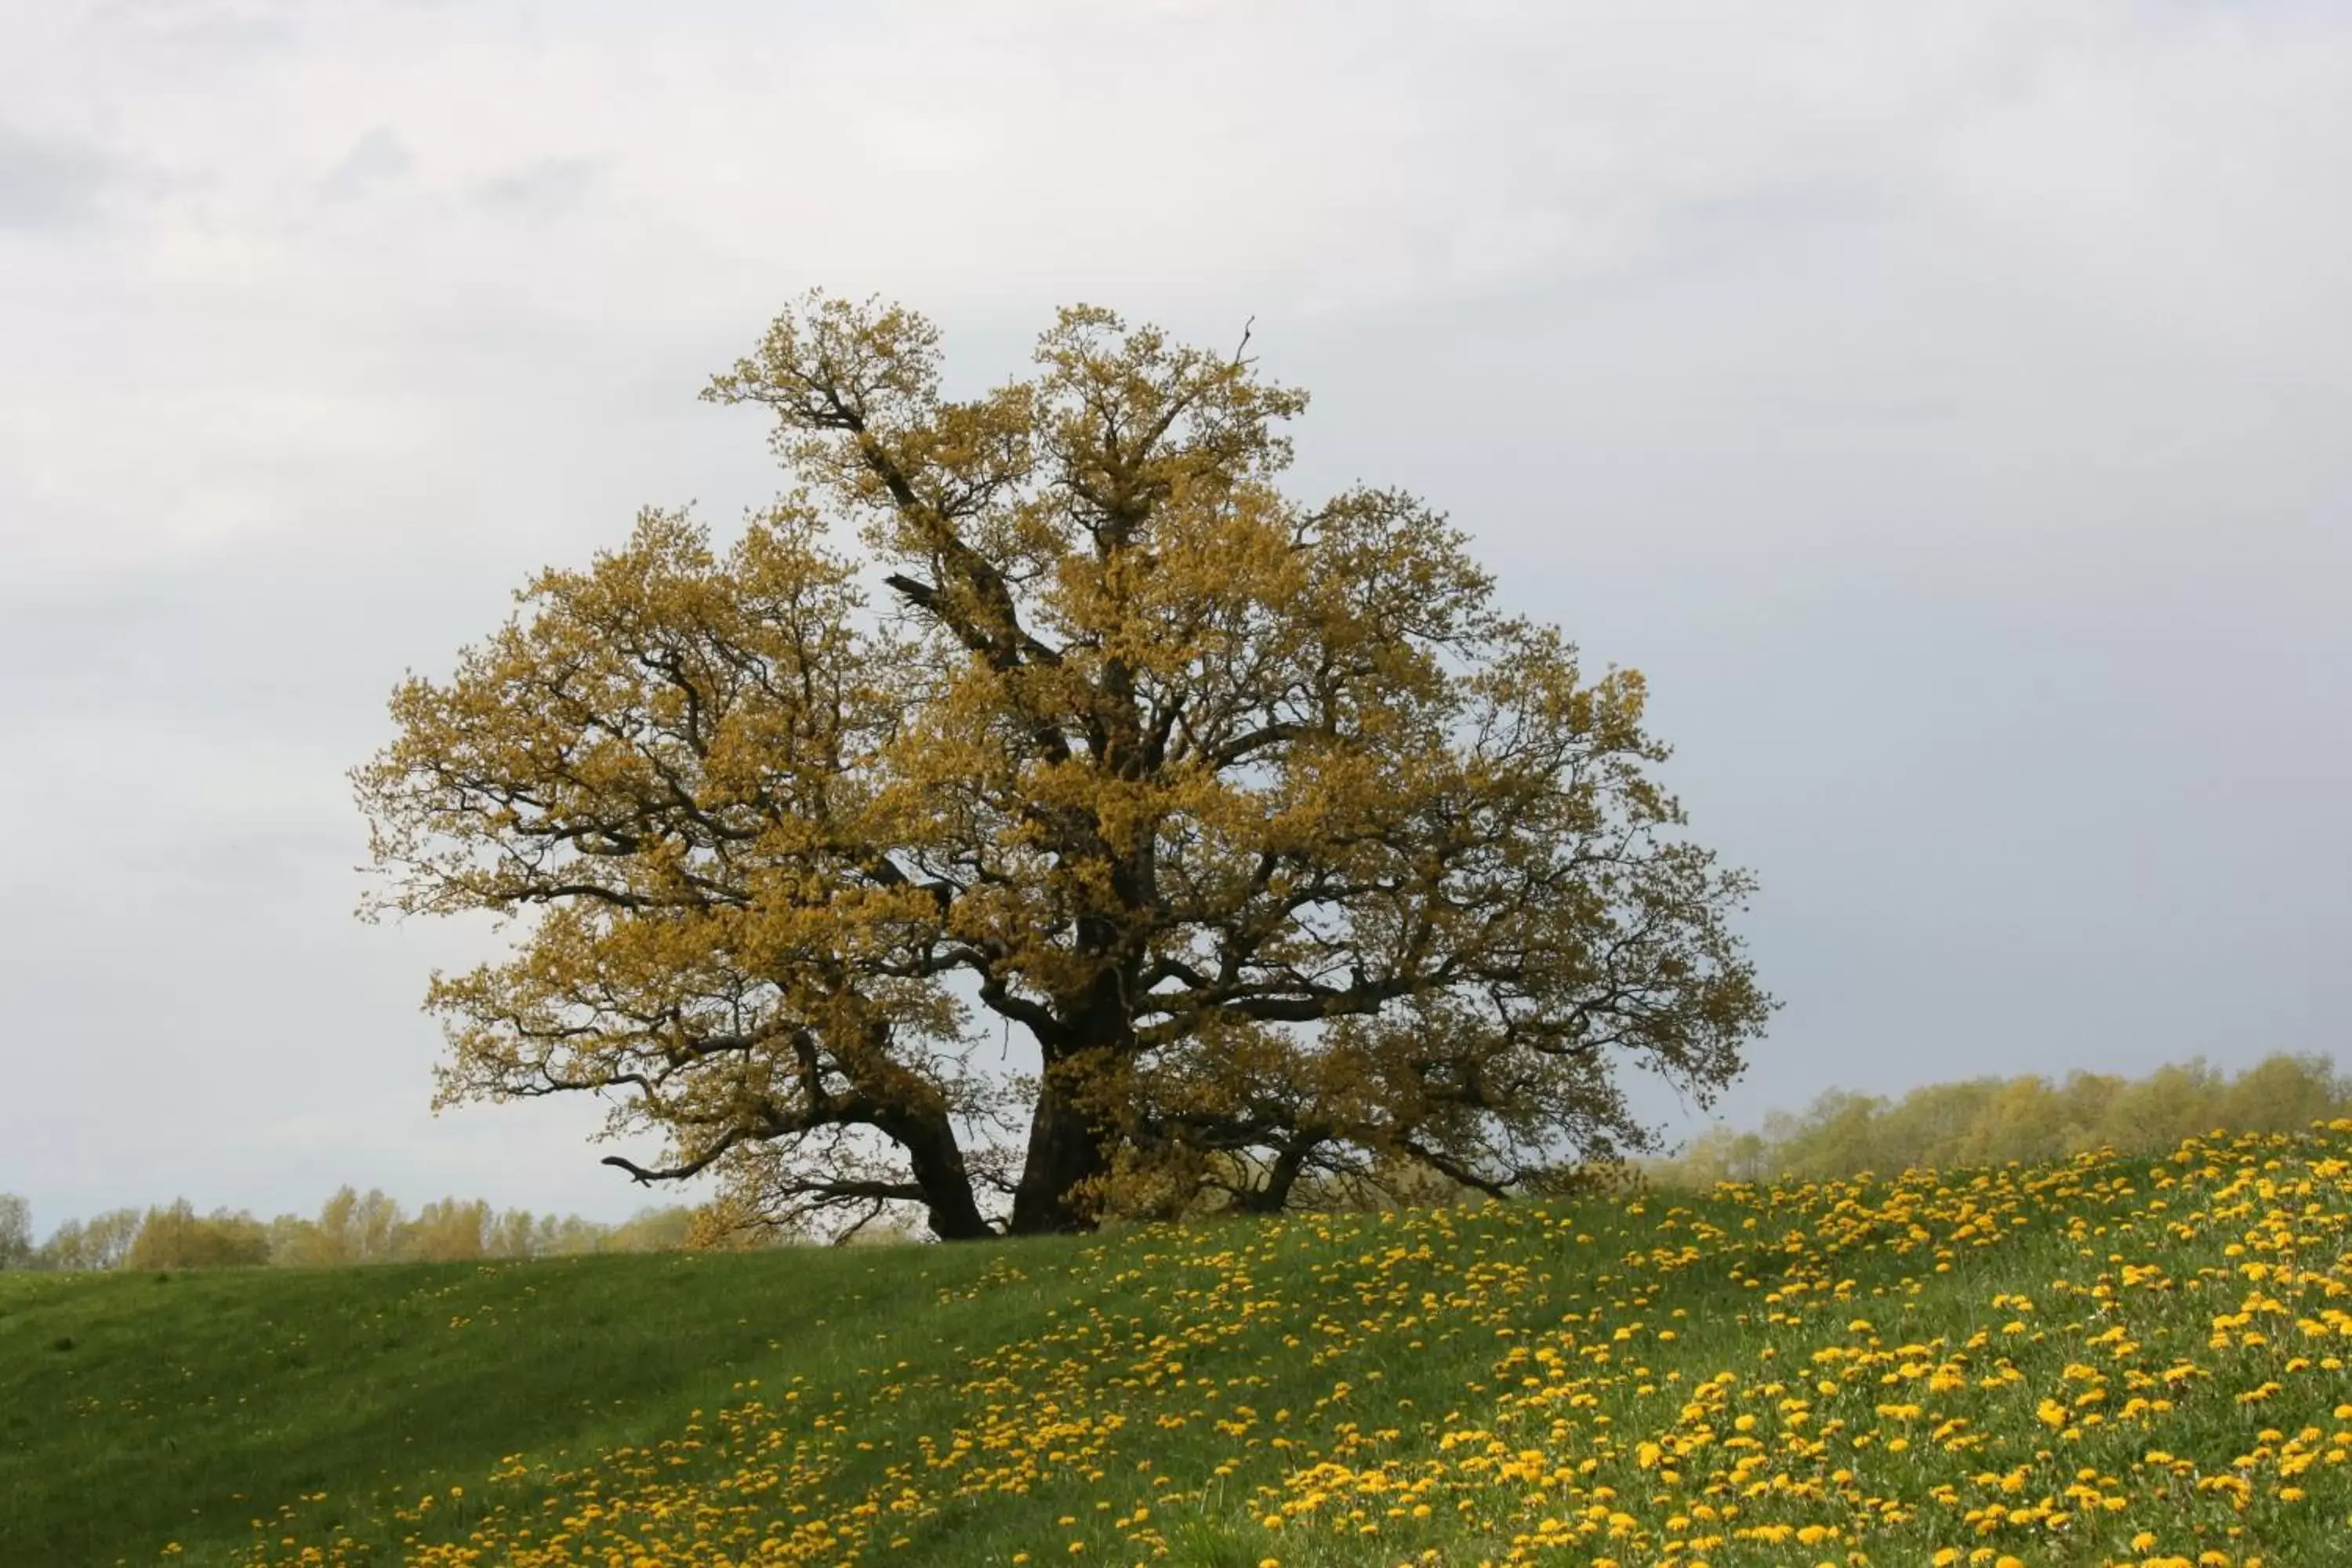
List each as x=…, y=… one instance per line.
x=1289, y=852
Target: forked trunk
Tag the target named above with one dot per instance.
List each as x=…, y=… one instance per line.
x=1273, y=1195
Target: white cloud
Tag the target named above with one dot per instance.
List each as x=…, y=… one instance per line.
x=378, y=158
x=615, y=186
x=49, y=182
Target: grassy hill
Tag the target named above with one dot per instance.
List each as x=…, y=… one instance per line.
x=2102, y=1362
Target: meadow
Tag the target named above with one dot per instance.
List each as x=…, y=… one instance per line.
x=2099, y=1361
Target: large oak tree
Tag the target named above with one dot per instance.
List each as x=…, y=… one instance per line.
x=1289, y=853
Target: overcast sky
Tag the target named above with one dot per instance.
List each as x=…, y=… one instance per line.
x=1948, y=405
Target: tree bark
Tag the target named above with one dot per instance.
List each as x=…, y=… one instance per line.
x=937, y=1161
x=1066, y=1148
x=1275, y=1195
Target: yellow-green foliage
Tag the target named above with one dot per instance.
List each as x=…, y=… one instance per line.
x=2101, y=1362
x=177, y=1238
x=350, y=1228
x=15, y=1231
x=1990, y=1122
x=1289, y=851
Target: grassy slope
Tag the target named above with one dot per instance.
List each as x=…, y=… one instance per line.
x=141, y=1409
x=1549, y=1384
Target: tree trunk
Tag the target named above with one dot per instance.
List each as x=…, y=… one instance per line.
x=938, y=1170
x=1067, y=1144
x=1066, y=1148
x=1275, y=1195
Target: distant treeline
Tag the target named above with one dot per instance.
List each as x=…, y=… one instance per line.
x=350, y=1228
x=1992, y=1120
x=1977, y=1121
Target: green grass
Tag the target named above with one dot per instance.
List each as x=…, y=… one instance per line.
x=962, y=1406
x=140, y=1409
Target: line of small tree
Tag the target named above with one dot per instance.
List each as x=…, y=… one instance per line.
x=1993, y=1120
x=1975, y=1121
x=350, y=1228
